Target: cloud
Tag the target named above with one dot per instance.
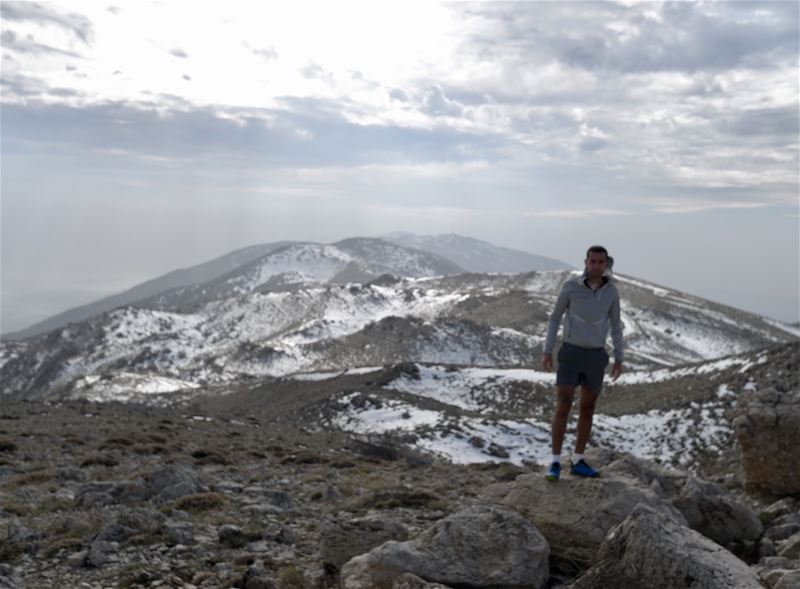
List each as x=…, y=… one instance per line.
x=782, y=121
x=576, y=213
x=683, y=205
x=261, y=137
x=27, y=44
x=436, y=103
x=314, y=71
x=22, y=86
x=265, y=53
x=640, y=37
x=42, y=14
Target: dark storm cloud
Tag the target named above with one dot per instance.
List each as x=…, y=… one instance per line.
x=681, y=37
x=307, y=133
x=77, y=24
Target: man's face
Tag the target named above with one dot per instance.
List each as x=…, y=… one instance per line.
x=596, y=264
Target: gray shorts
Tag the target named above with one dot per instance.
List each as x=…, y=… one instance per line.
x=581, y=366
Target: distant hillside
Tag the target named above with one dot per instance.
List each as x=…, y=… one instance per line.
x=304, y=265
x=476, y=255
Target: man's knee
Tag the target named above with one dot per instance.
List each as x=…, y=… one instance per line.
x=588, y=400
x=564, y=396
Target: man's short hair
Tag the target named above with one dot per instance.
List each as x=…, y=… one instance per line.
x=597, y=249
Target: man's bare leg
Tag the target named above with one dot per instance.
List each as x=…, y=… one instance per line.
x=564, y=396
x=584, y=430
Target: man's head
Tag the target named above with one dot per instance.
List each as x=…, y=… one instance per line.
x=596, y=261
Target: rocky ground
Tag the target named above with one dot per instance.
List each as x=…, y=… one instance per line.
x=244, y=489
x=123, y=496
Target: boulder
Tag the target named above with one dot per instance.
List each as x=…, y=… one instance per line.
x=780, y=508
x=782, y=532
x=99, y=494
x=478, y=547
x=775, y=569
x=9, y=578
x=791, y=548
x=409, y=581
x=767, y=427
x=714, y=512
x=173, y=482
x=575, y=514
x=791, y=580
x=342, y=540
x=708, y=507
x=650, y=550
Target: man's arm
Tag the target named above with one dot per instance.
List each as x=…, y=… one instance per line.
x=562, y=302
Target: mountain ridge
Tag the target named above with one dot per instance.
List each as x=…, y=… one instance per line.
x=228, y=263
x=467, y=319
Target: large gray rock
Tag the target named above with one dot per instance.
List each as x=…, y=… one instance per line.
x=410, y=581
x=791, y=548
x=650, y=550
x=478, y=547
x=99, y=494
x=714, y=512
x=576, y=514
x=341, y=541
x=791, y=580
x=774, y=569
x=9, y=578
x=768, y=427
x=172, y=482
x=708, y=508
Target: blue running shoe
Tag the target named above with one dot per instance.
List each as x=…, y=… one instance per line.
x=582, y=469
x=553, y=472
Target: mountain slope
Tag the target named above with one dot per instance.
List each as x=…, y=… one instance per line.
x=175, y=279
x=359, y=260
x=302, y=265
x=467, y=319
x=476, y=255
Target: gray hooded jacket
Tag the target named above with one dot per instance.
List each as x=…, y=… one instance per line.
x=589, y=315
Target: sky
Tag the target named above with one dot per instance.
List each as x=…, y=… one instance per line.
x=142, y=137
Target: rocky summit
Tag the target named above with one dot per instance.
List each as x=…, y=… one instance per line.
x=262, y=486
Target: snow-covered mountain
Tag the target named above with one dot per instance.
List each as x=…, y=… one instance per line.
x=301, y=265
x=476, y=255
x=294, y=264
x=183, y=277
x=488, y=320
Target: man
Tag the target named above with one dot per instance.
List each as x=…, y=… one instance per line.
x=591, y=302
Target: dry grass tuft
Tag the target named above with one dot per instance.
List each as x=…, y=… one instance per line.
x=199, y=502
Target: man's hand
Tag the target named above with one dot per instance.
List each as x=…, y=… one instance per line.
x=616, y=370
x=547, y=362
